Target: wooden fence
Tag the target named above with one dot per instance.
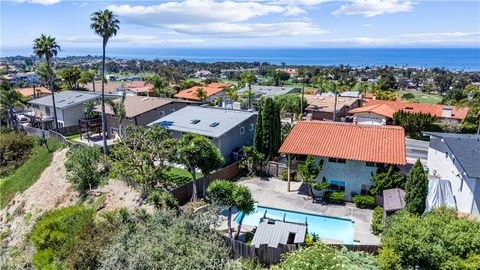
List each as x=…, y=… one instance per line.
x=47, y=133
x=265, y=254
x=183, y=194
x=269, y=255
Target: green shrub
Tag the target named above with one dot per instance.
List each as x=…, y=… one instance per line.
x=54, y=235
x=83, y=169
x=15, y=148
x=334, y=197
x=364, y=201
x=293, y=175
x=377, y=217
x=389, y=260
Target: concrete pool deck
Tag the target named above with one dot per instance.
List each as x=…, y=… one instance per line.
x=272, y=192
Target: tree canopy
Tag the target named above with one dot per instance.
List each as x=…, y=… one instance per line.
x=416, y=189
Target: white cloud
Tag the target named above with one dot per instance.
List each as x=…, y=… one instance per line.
x=366, y=25
x=251, y=30
x=41, y=2
x=371, y=8
x=225, y=18
x=129, y=40
x=407, y=40
x=198, y=11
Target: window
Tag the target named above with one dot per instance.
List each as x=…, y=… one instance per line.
x=291, y=238
x=337, y=160
x=251, y=127
x=172, y=110
x=336, y=185
x=47, y=110
x=242, y=130
x=162, y=113
x=370, y=164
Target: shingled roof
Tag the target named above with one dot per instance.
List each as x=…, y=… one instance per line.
x=380, y=144
x=465, y=148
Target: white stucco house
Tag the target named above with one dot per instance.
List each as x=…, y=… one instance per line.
x=456, y=158
x=69, y=104
x=350, y=152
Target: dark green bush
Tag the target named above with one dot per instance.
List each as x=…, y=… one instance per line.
x=334, y=197
x=293, y=176
x=364, y=201
x=15, y=148
x=377, y=226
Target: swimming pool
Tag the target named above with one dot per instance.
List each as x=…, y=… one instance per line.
x=325, y=227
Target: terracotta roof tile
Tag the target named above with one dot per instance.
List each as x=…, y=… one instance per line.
x=28, y=91
x=211, y=89
x=381, y=144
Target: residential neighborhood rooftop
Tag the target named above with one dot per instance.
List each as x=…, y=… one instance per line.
x=387, y=108
x=211, y=89
x=270, y=91
x=380, y=144
x=465, y=148
x=207, y=121
x=65, y=99
x=28, y=91
x=327, y=103
x=136, y=105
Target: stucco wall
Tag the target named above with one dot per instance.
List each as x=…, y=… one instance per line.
x=442, y=163
x=353, y=173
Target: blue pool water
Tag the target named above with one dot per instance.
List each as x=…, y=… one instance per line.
x=326, y=227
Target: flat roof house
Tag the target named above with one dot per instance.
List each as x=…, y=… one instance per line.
x=229, y=130
x=321, y=107
x=456, y=158
x=140, y=111
x=69, y=105
x=380, y=112
x=350, y=152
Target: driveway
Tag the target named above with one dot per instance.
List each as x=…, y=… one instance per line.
x=272, y=192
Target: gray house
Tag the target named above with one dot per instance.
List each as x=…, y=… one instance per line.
x=229, y=130
x=69, y=104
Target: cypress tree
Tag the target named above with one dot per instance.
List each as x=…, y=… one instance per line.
x=416, y=189
x=271, y=130
x=257, y=138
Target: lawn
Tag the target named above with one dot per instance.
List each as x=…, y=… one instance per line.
x=420, y=97
x=71, y=138
x=181, y=176
x=25, y=175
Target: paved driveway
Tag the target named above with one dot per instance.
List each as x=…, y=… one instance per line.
x=272, y=192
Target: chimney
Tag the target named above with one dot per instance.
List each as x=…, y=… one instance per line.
x=447, y=111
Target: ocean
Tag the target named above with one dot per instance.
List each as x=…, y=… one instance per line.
x=450, y=58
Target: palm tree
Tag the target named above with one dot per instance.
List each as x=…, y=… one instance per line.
x=88, y=76
x=302, y=73
x=46, y=46
x=332, y=86
x=249, y=78
x=201, y=93
x=118, y=109
x=105, y=24
x=473, y=103
x=232, y=93
x=161, y=87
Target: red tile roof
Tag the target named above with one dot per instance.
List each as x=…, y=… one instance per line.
x=381, y=144
x=211, y=90
x=28, y=91
x=380, y=109
x=433, y=109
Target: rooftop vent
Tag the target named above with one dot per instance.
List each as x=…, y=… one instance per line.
x=78, y=96
x=214, y=124
x=195, y=121
x=408, y=108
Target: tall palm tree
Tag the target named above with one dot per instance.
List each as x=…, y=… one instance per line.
x=105, y=24
x=249, y=78
x=232, y=93
x=332, y=86
x=118, y=109
x=302, y=73
x=46, y=46
x=201, y=93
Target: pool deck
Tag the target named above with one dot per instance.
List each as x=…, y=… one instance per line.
x=272, y=192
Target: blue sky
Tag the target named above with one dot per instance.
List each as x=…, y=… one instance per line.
x=248, y=23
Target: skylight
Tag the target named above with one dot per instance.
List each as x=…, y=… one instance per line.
x=195, y=121
x=214, y=124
